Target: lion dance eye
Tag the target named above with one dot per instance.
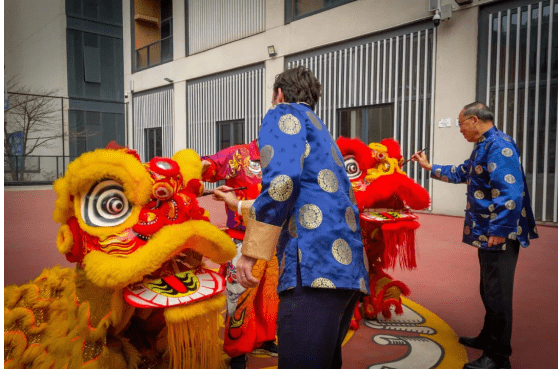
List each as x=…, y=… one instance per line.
x=351, y=167
x=105, y=205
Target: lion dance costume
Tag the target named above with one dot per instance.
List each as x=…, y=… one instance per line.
x=140, y=295
x=385, y=196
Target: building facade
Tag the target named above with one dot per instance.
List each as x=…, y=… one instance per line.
x=73, y=50
x=199, y=74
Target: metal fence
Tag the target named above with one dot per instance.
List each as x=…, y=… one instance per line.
x=34, y=169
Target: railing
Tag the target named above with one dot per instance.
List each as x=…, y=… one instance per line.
x=34, y=169
x=154, y=53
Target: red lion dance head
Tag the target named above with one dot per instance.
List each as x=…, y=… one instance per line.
x=385, y=196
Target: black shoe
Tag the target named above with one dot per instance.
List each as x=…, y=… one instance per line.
x=473, y=342
x=485, y=362
x=268, y=348
x=238, y=362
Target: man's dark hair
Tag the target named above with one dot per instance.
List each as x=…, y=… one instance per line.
x=299, y=84
x=480, y=110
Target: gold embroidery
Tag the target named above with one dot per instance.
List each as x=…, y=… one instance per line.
x=491, y=167
x=335, y=157
x=310, y=216
x=495, y=193
x=509, y=178
x=314, y=119
x=342, y=252
x=351, y=219
x=479, y=194
x=507, y=152
x=328, y=181
x=289, y=124
x=281, y=188
x=266, y=155
x=510, y=204
x=363, y=286
x=467, y=230
x=322, y=283
x=352, y=196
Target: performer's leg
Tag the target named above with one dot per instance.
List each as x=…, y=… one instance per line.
x=309, y=325
x=498, y=270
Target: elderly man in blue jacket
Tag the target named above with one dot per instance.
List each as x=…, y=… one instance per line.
x=498, y=219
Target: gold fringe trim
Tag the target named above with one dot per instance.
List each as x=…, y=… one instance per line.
x=193, y=334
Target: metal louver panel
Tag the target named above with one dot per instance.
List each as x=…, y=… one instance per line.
x=521, y=86
x=237, y=95
x=398, y=70
x=216, y=22
x=154, y=109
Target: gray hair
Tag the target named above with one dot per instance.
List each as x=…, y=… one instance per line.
x=480, y=110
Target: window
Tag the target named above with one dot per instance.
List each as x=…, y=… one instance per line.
x=153, y=142
x=370, y=124
x=230, y=133
x=152, y=33
x=297, y=9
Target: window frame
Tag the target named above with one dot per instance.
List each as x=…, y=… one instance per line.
x=221, y=123
x=339, y=111
x=290, y=7
x=158, y=131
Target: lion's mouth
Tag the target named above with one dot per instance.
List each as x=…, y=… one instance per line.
x=179, y=281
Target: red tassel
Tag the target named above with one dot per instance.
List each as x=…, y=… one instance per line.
x=399, y=240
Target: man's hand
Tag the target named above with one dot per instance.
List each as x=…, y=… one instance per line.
x=244, y=272
x=495, y=240
x=226, y=194
x=422, y=160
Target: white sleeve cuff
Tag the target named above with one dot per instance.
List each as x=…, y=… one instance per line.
x=239, y=208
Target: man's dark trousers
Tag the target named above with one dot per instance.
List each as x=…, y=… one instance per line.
x=497, y=271
x=312, y=323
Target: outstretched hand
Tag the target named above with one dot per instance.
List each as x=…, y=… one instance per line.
x=422, y=160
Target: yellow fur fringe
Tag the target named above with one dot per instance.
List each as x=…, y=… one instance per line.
x=190, y=165
x=116, y=272
x=193, y=334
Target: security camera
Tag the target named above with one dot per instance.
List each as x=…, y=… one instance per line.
x=126, y=94
x=436, y=18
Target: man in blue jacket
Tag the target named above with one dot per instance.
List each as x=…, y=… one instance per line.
x=498, y=219
x=307, y=211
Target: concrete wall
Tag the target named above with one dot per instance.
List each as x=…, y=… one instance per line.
x=456, y=76
x=30, y=231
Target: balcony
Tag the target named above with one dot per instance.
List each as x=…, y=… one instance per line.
x=154, y=54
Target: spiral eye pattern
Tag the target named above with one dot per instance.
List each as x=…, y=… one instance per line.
x=352, y=169
x=105, y=205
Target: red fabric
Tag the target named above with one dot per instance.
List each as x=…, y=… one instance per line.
x=255, y=319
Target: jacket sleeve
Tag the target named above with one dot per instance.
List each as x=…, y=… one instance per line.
x=218, y=168
x=282, y=142
x=450, y=173
x=506, y=182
